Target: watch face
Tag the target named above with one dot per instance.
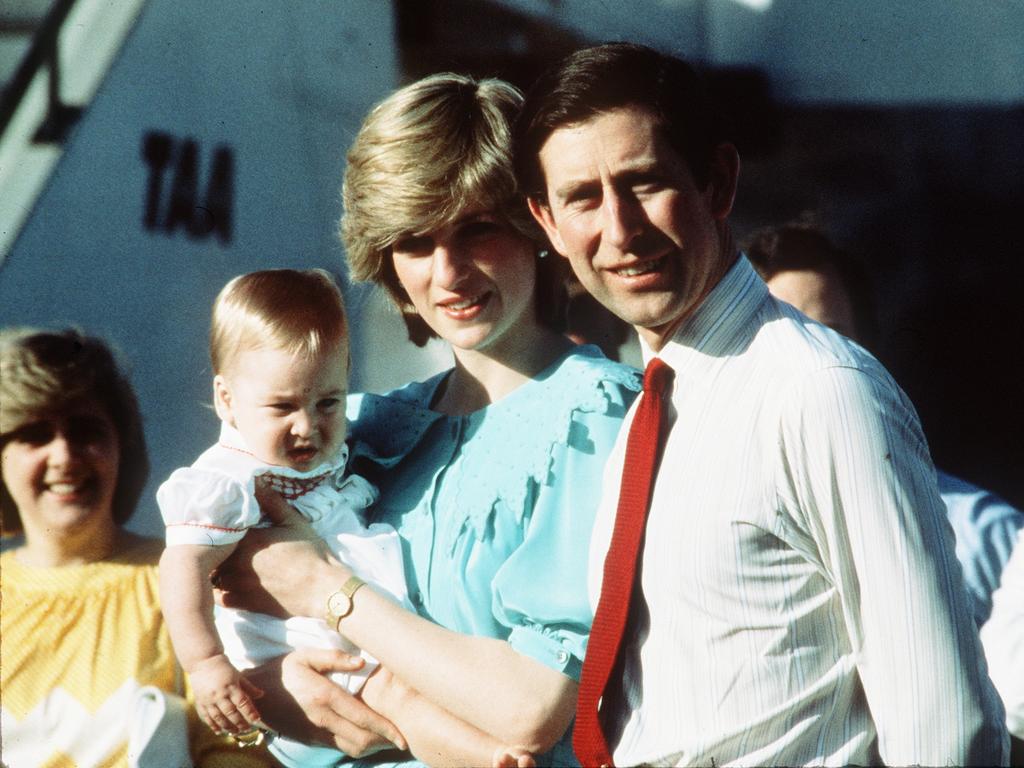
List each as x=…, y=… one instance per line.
x=338, y=604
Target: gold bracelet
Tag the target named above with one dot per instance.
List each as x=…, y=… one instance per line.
x=250, y=738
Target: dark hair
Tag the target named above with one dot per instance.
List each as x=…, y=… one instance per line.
x=801, y=245
x=46, y=372
x=605, y=77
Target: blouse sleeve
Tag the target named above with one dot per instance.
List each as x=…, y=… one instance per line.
x=1003, y=639
x=200, y=506
x=540, y=591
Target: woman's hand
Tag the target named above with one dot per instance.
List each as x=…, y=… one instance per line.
x=283, y=571
x=302, y=703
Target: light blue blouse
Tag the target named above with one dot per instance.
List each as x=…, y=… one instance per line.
x=495, y=508
x=986, y=532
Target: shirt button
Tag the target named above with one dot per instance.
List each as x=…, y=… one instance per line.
x=562, y=656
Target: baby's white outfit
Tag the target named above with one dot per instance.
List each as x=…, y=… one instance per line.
x=213, y=502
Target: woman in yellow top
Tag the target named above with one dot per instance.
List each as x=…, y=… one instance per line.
x=84, y=648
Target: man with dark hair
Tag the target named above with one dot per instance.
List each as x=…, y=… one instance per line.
x=773, y=575
x=803, y=267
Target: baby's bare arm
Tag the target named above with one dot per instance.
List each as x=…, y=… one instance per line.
x=186, y=598
x=223, y=700
x=435, y=735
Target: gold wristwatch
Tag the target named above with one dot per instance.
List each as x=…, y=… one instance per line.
x=339, y=604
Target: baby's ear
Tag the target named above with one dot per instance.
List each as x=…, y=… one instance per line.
x=222, y=399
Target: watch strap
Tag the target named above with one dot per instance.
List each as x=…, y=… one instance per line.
x=349, y=588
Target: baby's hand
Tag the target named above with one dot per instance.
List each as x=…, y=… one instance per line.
x=513, y=757
x=223, y=696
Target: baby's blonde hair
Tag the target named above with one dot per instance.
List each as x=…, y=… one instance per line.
x=298, y=311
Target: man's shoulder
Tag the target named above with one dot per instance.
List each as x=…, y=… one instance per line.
x=742, y=324
x=796, y=345
x=770, y=354
x=792, y=366
x=816, y=381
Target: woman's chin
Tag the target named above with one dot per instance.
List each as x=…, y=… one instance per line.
x=61, y=512
x=469, y=337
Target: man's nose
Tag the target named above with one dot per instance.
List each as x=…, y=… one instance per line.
x=623, y=219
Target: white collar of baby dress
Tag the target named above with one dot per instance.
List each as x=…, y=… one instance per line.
x=290, y=483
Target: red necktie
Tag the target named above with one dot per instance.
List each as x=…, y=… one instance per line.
x=643, y=449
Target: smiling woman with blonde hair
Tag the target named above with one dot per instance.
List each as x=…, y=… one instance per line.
x=490, y=471
x=424, y=157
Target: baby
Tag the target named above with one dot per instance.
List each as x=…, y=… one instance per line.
x=279, y=350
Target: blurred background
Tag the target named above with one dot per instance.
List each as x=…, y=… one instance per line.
x=152, y=149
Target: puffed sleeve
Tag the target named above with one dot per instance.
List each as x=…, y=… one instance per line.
x=540, y=591
x=200, y=506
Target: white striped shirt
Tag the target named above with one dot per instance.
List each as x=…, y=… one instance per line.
x=803, y=604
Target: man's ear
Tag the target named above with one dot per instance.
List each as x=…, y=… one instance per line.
x=724, y=178
x=222, y=399
x=542, y=213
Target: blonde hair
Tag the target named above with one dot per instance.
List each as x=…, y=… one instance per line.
x=43, y=373
x=424, y=155
x=298, y=311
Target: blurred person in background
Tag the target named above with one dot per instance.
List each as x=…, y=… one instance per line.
x=804, y=268
x=88, y=675
x=490, y=472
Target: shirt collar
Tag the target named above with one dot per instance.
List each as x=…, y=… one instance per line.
x=727, y=308
x=232, y=438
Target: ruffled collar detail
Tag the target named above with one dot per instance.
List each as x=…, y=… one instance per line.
x=407, y=415
x=322, y=489
x=507, y=448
